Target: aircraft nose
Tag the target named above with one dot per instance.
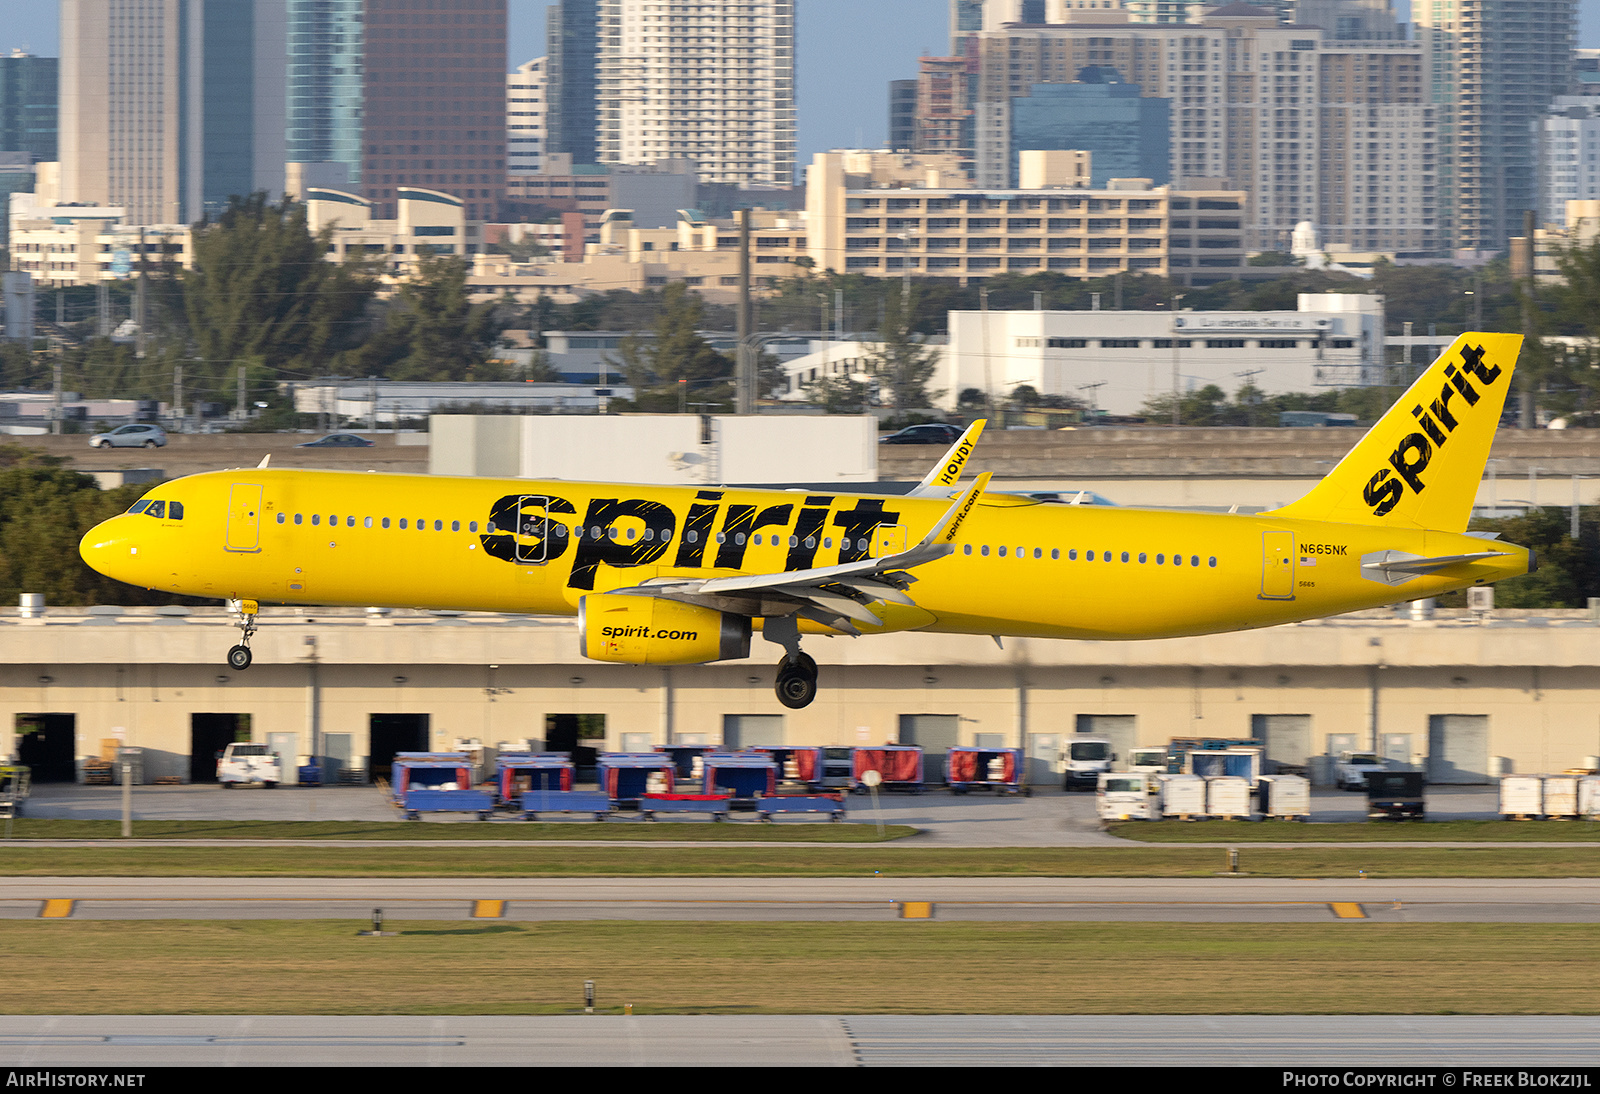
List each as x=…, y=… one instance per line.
x=106, y=549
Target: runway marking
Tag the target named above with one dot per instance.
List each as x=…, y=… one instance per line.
x=488, y=909
x=56, y=909
x=1348, y=911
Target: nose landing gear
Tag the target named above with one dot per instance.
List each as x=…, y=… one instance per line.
x=239, y=656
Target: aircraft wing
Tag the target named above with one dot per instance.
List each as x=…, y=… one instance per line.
x=831, y=595
x=941, y=481
x=1398, y=567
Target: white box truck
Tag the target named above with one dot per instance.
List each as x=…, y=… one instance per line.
x=1083, y=761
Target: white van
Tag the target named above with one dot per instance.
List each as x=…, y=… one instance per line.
x=243, y=762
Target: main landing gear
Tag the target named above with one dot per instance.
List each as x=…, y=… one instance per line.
x=797, y=673
x=239, y=656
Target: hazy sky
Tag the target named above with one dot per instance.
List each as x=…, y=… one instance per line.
x=848, y=51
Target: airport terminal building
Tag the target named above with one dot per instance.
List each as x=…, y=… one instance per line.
x=1463, y=698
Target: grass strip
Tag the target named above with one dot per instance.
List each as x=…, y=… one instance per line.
x=534, y=860
x=511, y=831
x=321, y=967
x=1486, y=831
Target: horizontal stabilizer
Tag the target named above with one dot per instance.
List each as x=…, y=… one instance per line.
x=1398, y=567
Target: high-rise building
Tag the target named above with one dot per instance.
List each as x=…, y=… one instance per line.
x=1568, y=155
x=1494, y=68
x=325, y=89
x=527, y=102
x=1349, y=20
x=1245, y=97
x=170, y=107
x=711, y=83
x=902, y=114
x=434, y=111
x=572, y=33
x=28, y=104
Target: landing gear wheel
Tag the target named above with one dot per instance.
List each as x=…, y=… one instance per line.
x=239, y=658
x=797, y=681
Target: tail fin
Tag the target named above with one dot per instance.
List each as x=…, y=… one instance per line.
x=1420, y=466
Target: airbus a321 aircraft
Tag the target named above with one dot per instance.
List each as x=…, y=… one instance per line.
x=671, y=575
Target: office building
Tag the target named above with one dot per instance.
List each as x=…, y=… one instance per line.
x=434, y=112
x=1493, y=68
x=1244, y=94
x=28, y=105
x=325, y=90
x=572, y=40
x=1567, y=143
x=526, y=118
x=902, y=114
x=711, y=83
x=170, y=107
x=867, y=214
x=1126, y=133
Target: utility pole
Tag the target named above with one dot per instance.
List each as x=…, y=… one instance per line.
x=139, y=302
x=102, y=309
x=1177, y=400
x=55, y=389
x=983, y=324
x=1525, y=416
x=372, y=402
x=744, y=371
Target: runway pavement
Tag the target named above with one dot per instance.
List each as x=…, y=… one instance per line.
x=1325, y=1041
x=1197, y=900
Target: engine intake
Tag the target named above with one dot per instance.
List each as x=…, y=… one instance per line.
x=647, y=630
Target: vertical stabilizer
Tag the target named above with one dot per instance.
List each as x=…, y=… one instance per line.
x=1420, y=466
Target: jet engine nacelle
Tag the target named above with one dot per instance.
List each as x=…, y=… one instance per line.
x=647, y=630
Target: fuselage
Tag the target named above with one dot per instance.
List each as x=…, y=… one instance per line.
x=1020, y=567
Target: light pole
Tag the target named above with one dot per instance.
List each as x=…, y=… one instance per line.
x=1177, y=402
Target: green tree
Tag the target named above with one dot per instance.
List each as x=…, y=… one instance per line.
x=902, y=363
x=678, y=368
x=262, y=292
x=431, y=329
x=837, y=394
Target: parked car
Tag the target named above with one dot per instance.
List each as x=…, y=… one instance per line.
x=338, y=440
x=131, y=436
x=931, y=433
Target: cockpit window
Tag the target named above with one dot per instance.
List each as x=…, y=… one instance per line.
x=140, y=506
x=158, y=509
x=175, y=510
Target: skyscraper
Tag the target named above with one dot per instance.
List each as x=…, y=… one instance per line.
x=28, y=104
x=1493, y=69
x=434, y=112
x=527, y=101
x=169, y=107
x=572, y=38
x=325, y=92
x=711, y=83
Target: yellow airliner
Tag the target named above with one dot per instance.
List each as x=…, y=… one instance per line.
x=682, y=575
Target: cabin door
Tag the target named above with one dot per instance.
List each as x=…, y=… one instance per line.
x=1277, y=566
x=244, y=518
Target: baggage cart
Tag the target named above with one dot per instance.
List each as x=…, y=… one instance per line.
x=535, y=802
x=800, y=766
x=998, y=769
x=1228, y=797
x=1286, y=796
x=900, y=767
x=832, y=804
x=744, y=776
x=684, y=757
x=1589, y=796
x=1521, y=797
x=837, y=770
x=715, y=804
x=1561, y=796
x=418, y=802
x=428, y=771
x=1182, y=796
x=625, y=777
x=516, y=773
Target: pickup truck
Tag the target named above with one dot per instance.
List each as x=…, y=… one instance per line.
x=1351, y=771
x=242, y=762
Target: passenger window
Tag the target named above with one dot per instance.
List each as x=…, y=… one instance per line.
x=1037, y=553
x=738, y=537
x=561, y=529
x=1194, y=560
x=1055, y=552
x=1002, y=552
x=1072, y=555
x=349, y=522
x=967, y=549
x=175, y=511
x=333, y=521
x=386, y=522
x=298, y=518
x=438, y=526
x=1106, y=555
x=984, y=550
x=827, y=544
x=631, y=533
x=367, y=522
x=1141, y=558
x=140, y=506
x=473, y=527
x=1213, y=562
x=693, y=537
x=722, y=537
x=1160, y=559
x=455, y=526
x=487, y=527
x=1177, y=560
x=422, y=524
x=282, y=518
x=402, y=522
x=316, y=519
x=158, y=509
x=811, y=541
